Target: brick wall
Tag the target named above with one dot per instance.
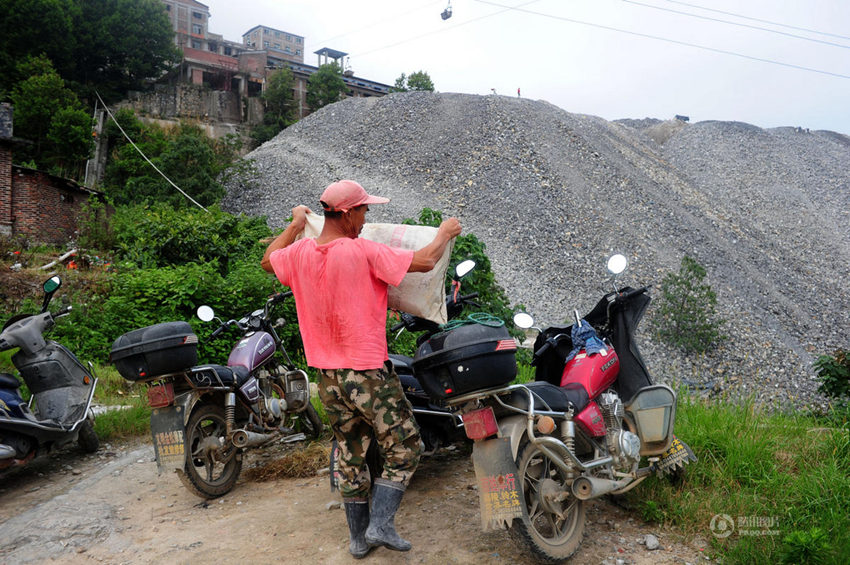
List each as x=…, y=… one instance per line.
x=5, y=188
x=44, y=207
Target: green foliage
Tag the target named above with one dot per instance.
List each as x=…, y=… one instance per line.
x=111, y=45
x=159, y=235
x=834, y=374
x=417, y=81
x=95, y=227
x=51, y=116
x=31, y=27
x=325, y=86
x=809, y=547
x=686, y=315
x=786, y=468
x=280, y=106
x=119, y=45
x=184, y=154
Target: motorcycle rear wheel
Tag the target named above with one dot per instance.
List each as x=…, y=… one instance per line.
x=551, y=530
x=212, y=465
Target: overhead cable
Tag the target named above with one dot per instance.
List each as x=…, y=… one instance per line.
x=658, y=38
x=708, y=18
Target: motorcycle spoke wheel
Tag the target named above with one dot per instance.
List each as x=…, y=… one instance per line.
x=212, y=465
x=552, y=529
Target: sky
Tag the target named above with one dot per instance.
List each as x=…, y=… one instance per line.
x=769, y=63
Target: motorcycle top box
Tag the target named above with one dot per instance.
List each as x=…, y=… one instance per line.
x=468, y=358
x=149, y=352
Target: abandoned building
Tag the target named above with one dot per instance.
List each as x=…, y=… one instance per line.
x=35, y=204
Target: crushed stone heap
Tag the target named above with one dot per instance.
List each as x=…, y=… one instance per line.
x=552, y=194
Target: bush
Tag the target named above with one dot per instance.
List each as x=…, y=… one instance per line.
x=686, y=315
x=834, y=374
x=160, y=235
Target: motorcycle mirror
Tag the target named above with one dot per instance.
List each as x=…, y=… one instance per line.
x=50, y=286
x=205, y=313
x=617, y=264
x=523, y=320
x=463, y=268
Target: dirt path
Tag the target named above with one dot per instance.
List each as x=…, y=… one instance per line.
x=112, y=507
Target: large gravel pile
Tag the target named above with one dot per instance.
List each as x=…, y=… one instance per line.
x=552, y=194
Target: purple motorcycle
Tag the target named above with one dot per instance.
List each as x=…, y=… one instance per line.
x=205, y=416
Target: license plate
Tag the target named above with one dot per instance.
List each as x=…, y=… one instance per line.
x=679, y=455
x=499, y=487
x=168, y=437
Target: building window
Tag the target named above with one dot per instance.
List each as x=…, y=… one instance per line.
x=288, y=37
x=196, y=44
x=265, y=31
x=197, y=29
x=277, y=45
x=228, y=51
x=297, y=51
x=297, y=40
x=277, y=34
x=197, y=15
x=288, y=50
x=266, y=44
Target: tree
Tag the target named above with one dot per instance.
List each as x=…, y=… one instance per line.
x=325, y=86
x=32, y=27
x=420, y=81
x=417, y=81
x=121, y=44
x=280, y=106
x=686, y=315
x=184, y=154
x=52, y=117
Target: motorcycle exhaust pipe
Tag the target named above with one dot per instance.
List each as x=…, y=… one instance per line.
x=585, y=488
x=244, y=438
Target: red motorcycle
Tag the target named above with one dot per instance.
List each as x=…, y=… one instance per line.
x=592, y=423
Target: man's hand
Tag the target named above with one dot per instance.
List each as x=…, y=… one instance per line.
x=299, y=215
x=299, y=221
x=425, y=259
x=450, y=228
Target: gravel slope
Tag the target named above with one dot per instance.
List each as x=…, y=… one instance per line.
x=552, y=194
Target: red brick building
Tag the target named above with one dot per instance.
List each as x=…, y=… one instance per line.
x=34, y=204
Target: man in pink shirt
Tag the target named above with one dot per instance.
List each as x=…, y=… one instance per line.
x=340, y=283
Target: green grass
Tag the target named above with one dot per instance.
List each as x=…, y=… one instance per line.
x=791, y=470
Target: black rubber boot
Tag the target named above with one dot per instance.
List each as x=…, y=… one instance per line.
x=357, y=515
x=385, y=502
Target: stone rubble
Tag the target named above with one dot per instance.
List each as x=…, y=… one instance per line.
x=552, y=194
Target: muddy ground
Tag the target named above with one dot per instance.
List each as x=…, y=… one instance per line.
x=112, y=507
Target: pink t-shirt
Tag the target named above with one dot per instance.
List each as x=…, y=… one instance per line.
x=341, y=297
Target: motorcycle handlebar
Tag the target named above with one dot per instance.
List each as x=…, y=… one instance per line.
x=62, y=311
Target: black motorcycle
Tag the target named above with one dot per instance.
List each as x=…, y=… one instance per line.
x=59, y=410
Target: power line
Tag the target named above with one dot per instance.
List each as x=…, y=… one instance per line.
x=674, y=41
x=759, y=20
x=444, y=29
x=708, y=18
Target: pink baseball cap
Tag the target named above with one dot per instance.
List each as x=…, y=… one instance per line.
x=344, y=195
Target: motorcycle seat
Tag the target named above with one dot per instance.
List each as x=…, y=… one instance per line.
x=218, y=375
x=556, y=398
x=9, y=381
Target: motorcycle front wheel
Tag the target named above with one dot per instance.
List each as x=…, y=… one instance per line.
x=551, y=529
x=212, y=464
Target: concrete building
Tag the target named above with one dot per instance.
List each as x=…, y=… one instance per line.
x=242, y=68
x=280, y=45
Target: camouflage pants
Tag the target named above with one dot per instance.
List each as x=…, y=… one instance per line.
x=367, y=405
